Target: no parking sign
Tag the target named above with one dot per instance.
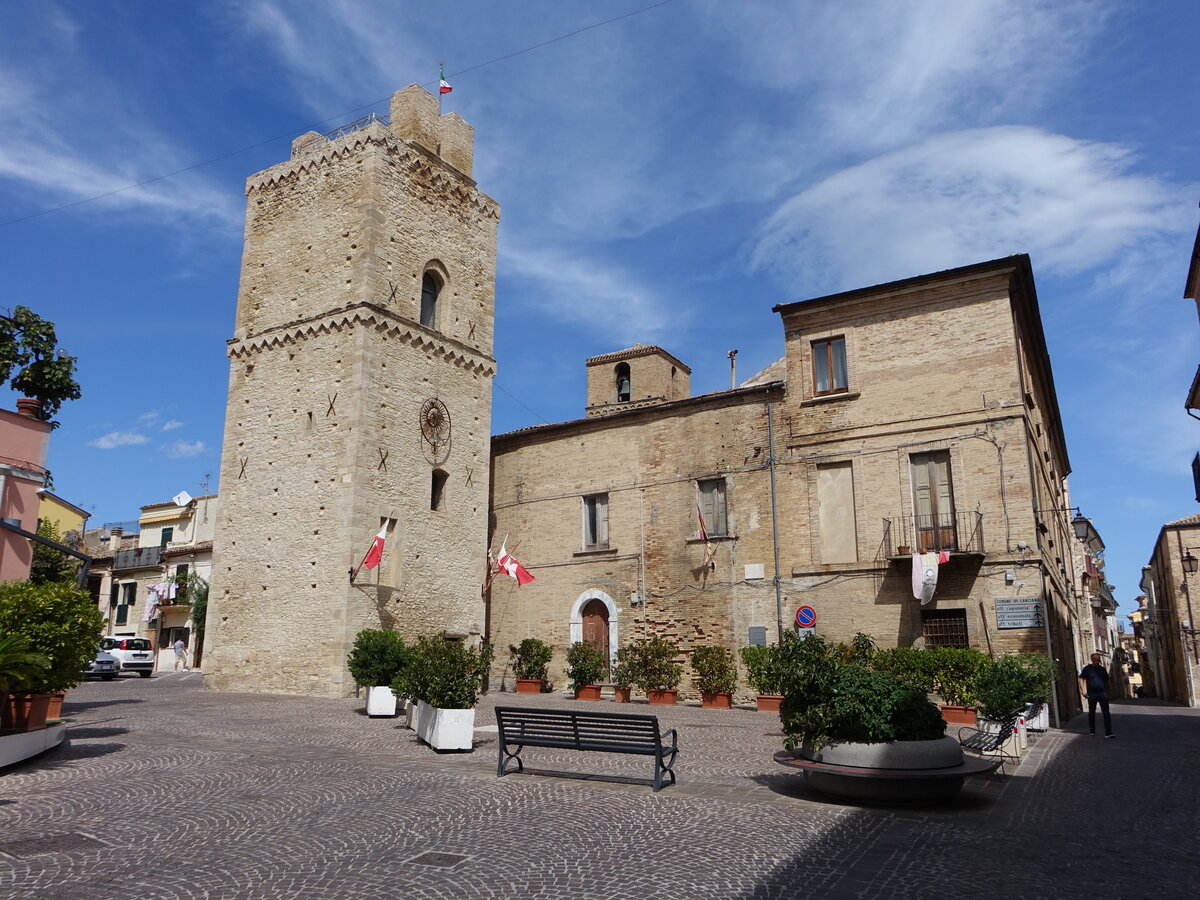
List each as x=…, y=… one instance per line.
x=806, y=617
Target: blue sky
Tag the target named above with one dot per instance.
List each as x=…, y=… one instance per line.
x=666, y=178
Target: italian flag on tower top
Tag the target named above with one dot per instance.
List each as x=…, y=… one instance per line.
x=443, y=85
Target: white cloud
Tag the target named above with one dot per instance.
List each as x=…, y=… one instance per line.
x=597, y=294
x=968, y=196
x=172, y=425
x=115, y=439
x=184, y=449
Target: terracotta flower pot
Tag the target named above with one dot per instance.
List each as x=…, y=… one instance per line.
x=959, y=715
x=588, y=692
x=529, y=685
x=54, y=712
x=662, y=698
x=769, y=702
x=25, y=712
x=621, y=694
x=716, y=699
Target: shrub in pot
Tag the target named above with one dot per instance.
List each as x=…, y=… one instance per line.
x=715, y=676
x=910, y=665
x=19, y=668
x=657, y=672
x=1010, y=682
x=956, y=674
x=529, y=660
x=586, y=665
x=376, y=660
x=445, y=678
x=624, y=675
x=762, y=674
x=60, y=622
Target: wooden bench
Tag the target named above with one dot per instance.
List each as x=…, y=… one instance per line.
x=569, y=729
x=981, y=741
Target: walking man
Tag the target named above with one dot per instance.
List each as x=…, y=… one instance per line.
x=1093, y=684
x=181, y=659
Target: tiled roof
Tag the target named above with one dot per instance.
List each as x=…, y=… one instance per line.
x=1193, y=519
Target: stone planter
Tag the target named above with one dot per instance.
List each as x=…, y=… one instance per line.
x=716, y=699
x=529, y=685
x=768, y=702
x=921, y=771
x=621, y=694
x=445, y=729
x=381, y=702
x=959, y=715
x=662, y=698
x=588, y=692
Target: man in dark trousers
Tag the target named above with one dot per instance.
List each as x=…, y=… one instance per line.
x=1093, y=684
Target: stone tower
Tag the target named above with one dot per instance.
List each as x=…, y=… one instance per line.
x=359, y=397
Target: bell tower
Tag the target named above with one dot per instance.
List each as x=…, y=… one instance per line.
x=359, y=398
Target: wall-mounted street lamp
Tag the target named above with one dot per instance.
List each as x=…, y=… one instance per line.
x=1080, y=524
x=1190, y=563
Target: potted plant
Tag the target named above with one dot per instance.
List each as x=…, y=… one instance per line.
x=529, y=660
x=444, y=677
x=762, y=674
x=956, y=672
x=60, y=622
x=624, y=675
x=657, y=672
x=715, y=676
x=586, y=665
x=375, y=662
x=838, y=713
x=1012, y=681
x=19, y=668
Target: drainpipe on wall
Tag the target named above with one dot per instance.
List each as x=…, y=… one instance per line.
x=774, y=522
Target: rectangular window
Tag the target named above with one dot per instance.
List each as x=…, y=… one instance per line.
x=595, y=522
x=829, y=366
x=122, y=614
x=712, y=506
x=944, y=627
x=933, y=501
x=181, y=569
x=167, y=534
x=129, y=593
x=114, y=595
x=835, y=513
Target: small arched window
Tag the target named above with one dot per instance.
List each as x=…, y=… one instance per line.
x=437, y=494
x=623, y=384
x=431, y=286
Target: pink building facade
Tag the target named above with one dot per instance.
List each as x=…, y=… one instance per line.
x=24, y=442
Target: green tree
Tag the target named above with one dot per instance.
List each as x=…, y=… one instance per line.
x=51, y=566
x=59, y=621
x=42, y=372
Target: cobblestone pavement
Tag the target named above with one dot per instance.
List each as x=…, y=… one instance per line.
x=166, y=790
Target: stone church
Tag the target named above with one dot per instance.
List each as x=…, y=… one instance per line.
x=918, y=415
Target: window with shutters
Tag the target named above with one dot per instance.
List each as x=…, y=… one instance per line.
x=129, y=593
x=595, y=522
x=933, y=501
x=168, y=534
x=713, y=507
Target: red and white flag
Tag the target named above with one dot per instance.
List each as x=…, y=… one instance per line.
x=375, y=554
x=443, y=85
x=505, y=563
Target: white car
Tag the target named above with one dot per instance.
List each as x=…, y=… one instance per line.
x=134, y=654
x=104, y=665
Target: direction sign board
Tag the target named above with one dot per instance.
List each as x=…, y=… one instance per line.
x=806, y=617
x=1019, y=612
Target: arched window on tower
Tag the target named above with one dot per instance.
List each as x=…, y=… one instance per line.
x=431, y=286
x=623, y=384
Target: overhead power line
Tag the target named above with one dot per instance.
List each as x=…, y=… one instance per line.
x=313, y=126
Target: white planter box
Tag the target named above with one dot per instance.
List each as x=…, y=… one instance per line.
x=445, y=729
x=381, y=701
x=1040, y=721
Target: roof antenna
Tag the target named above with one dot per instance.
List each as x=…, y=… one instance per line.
x=732, y=354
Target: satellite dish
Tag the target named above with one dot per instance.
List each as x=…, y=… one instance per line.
x=183, y=498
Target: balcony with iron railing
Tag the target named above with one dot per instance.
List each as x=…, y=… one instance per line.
x=958, y=532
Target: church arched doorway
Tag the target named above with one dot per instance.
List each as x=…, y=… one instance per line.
x=595, y=625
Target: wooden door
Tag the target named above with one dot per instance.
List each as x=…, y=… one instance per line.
x=933, y=501
x=595, y=625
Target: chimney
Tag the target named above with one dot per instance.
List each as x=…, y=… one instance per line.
x=29, y=407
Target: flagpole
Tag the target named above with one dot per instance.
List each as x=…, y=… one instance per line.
x=441, y=75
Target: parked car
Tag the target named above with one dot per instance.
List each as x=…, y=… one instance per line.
x=134, y=654
x=105, y=666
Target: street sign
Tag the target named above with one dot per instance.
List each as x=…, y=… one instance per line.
x=806, y=617
x=1019, y=612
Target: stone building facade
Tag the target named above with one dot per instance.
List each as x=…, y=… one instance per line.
x=1167, y=620
x=359, y=399
x=919, y=414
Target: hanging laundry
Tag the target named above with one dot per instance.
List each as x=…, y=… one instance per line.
x=925, y=573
